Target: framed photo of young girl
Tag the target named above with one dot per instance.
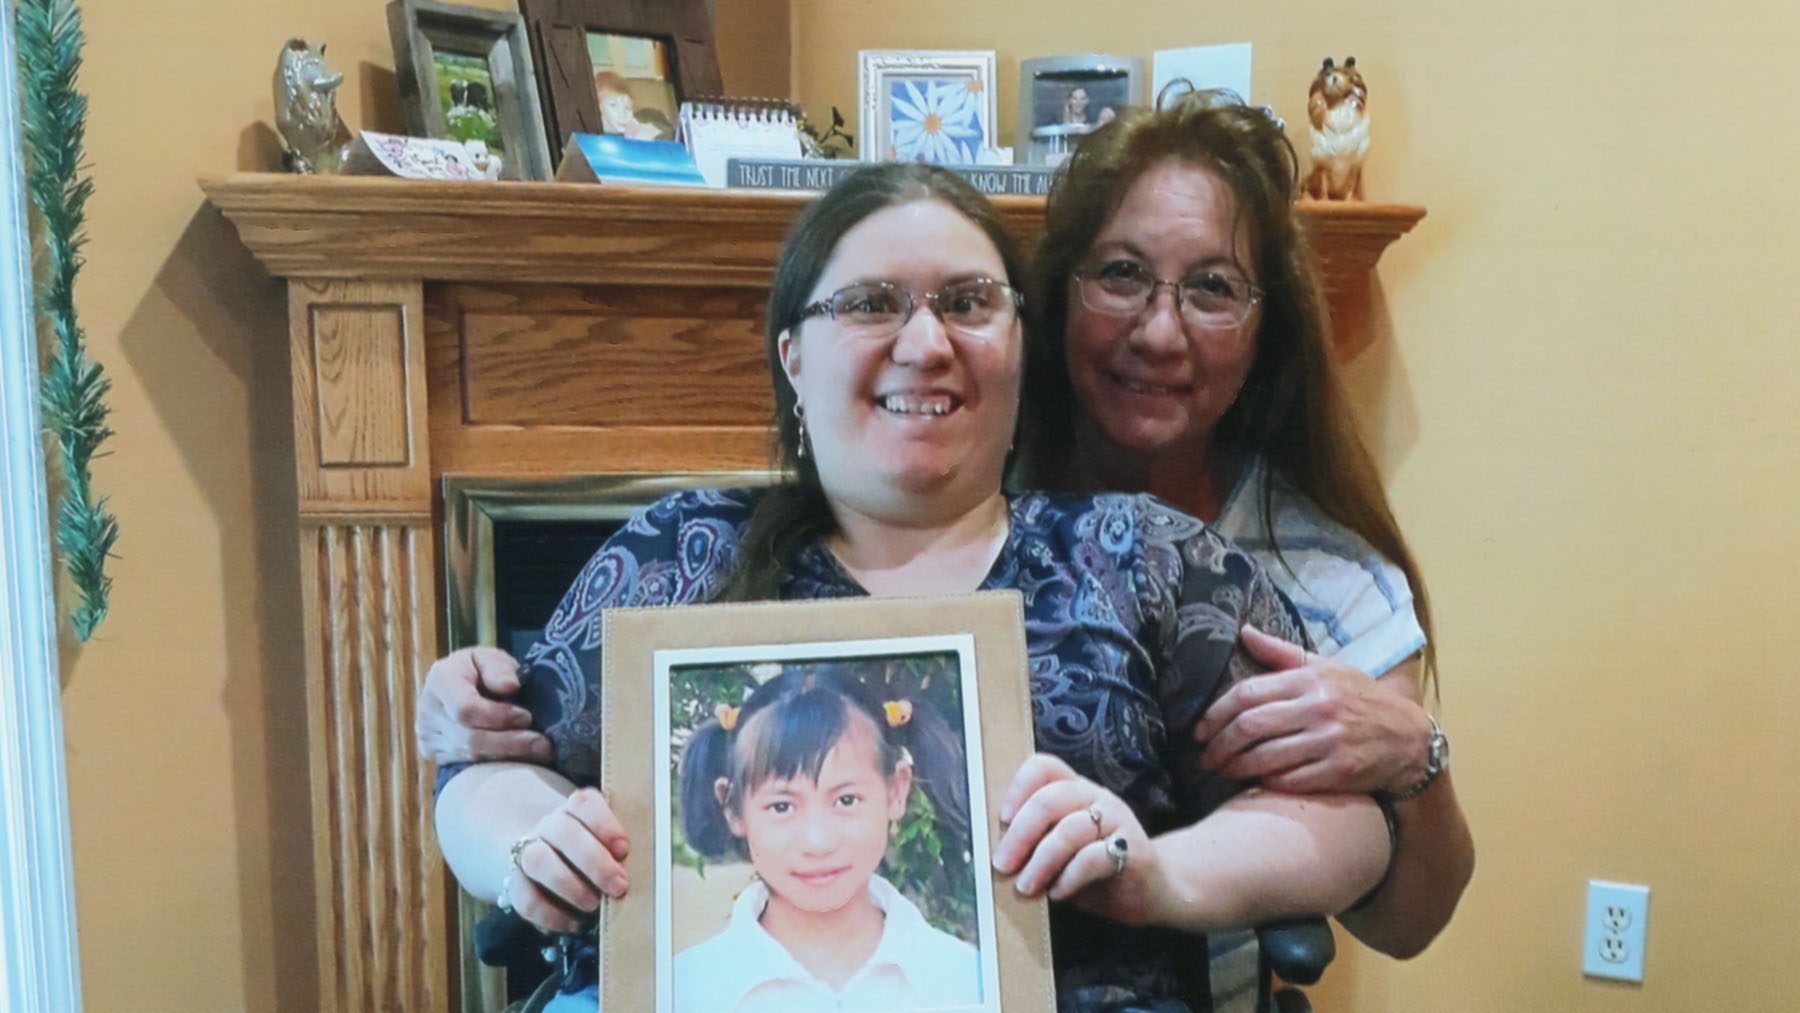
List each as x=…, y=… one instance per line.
x=811, y=805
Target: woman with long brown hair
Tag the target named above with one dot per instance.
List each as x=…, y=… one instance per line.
x=1221, y=396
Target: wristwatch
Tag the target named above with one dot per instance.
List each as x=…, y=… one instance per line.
x=1437, y=760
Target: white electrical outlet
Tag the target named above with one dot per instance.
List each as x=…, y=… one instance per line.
x=1617, y=915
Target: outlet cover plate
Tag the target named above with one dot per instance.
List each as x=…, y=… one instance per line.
x=1617, y=917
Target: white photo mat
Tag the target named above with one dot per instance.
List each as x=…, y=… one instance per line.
x=946, y=92
x=981, y=848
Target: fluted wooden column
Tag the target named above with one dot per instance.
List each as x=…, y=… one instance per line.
x=370, y=604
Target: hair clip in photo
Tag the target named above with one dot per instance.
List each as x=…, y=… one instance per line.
x=727, y=716
x=899, y=712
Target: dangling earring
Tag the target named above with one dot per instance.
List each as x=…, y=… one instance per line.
x=800, y=417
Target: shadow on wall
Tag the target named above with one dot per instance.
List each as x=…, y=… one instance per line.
x=212, y=306
x=1380, y=390
x=260, y=147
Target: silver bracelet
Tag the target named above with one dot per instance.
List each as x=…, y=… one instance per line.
x=1437, y=760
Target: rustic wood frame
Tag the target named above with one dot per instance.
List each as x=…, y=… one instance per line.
x=419, y=28
x=559, y=30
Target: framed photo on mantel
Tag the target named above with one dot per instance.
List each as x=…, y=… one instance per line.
x=620, y=66
x=465, y=74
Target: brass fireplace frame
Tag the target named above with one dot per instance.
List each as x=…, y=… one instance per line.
x=472, y=505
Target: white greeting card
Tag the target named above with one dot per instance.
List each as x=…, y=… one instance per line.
x=1223, y=66
x=377, y=154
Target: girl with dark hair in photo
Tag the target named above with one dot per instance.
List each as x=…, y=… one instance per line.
x=806, y=781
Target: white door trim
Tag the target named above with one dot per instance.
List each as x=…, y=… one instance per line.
x=38, y=958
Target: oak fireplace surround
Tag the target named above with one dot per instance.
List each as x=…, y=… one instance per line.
x=507, y=331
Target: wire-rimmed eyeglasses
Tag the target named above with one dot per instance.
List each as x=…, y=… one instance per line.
x=1209, y=300
x=974, y=307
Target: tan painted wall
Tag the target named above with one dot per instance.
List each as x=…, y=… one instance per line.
x=1589, y=357
x=1586, y=409
x=185, y=721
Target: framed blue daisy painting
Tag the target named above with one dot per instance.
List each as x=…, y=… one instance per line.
x=922, y=105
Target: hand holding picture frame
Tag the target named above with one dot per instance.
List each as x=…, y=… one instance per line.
x=465, y=73
x=849, y=752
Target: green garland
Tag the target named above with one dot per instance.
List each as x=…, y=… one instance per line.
x=74, y=394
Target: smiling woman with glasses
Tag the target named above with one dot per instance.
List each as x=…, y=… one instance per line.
x=1224, y=400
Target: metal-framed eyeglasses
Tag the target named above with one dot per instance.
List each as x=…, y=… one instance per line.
x=1208, y=300
x=979, y=308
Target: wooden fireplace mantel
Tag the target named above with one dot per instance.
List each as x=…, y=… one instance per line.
x=528, y=330
x=374, y=227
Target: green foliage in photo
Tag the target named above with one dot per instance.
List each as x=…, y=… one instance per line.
x=465, y=89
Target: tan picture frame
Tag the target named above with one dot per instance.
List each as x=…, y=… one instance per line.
x=631, y=940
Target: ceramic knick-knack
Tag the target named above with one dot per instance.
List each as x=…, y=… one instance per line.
x=1337, y=111
x=306, y=109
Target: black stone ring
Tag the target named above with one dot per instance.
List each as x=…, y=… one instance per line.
x=1116, y=849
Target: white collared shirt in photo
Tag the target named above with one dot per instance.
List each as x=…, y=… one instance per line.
x=743, y=969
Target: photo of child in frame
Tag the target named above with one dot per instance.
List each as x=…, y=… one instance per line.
x=633, y=82
x=821, y=836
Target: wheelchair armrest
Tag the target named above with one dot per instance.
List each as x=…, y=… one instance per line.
x=1297, y=950
x=504, y=939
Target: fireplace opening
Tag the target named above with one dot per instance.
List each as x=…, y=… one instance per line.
x=534, y=564
x=512, y=548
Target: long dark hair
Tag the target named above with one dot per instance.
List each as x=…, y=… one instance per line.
x=1292, y=409
x=789, y=725
x=795, y=512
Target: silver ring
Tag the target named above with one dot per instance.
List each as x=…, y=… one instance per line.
x=1093, y=813
x=1116, y=849
x=518, y=849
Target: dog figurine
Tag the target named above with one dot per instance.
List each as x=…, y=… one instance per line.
x=1337, y=108
x=306, y=113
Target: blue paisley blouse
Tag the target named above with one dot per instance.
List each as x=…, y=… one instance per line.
x=1131, y=616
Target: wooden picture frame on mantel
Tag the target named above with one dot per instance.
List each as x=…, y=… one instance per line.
x=563, y=33
x=452, y=60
